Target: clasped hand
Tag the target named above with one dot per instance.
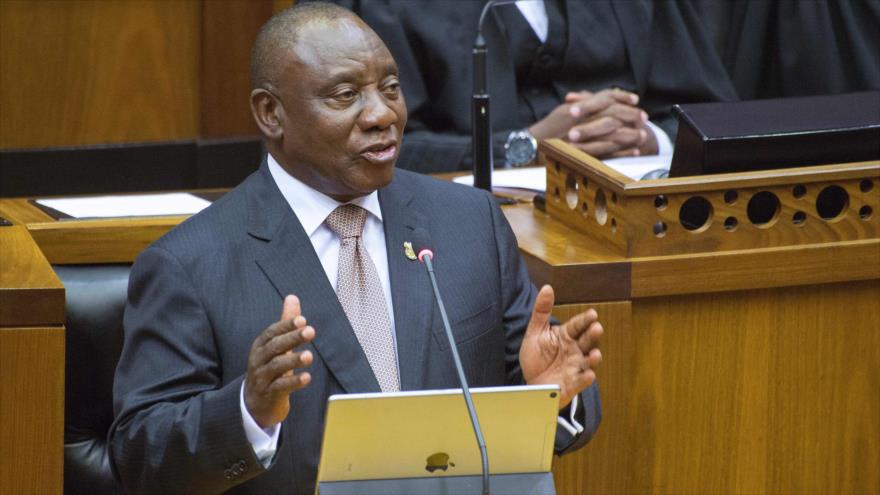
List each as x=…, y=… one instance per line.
x=606, y=124
x=566, y=355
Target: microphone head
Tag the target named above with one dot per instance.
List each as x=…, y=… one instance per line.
x=425, y=252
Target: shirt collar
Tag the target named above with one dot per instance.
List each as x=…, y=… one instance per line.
x=310, y=206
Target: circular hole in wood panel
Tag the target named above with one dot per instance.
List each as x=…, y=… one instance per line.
x=571, y=191
x=600, y=210
x=730, y=224
x=585, y=209
x=865, y=212
x=695, y=214
x=798, y=191
x=832, y=202
x=866, y=185
x=730, y=196
x=763, y=209
x=660, y=229
x=660, y=202
x=799, y=218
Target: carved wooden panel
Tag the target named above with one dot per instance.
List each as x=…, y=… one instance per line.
x=723, y=212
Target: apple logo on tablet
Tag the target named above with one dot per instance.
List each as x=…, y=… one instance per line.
x=440, y=460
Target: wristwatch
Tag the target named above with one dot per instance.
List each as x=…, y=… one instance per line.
x=520, y=148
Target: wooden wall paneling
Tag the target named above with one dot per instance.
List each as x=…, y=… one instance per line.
x=31, y=410
x=229, y=28
x=756, y=391
x=31, y=368
x=93, y=71
x=575, y=472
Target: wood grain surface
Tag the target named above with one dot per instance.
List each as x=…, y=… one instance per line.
x=229, y=28
x=31, y=410
x=571, y=472
x=30, y=292
x=708, y=214
x=758, y=391
x=93, y=71
x=99, y=241
x=20, y=211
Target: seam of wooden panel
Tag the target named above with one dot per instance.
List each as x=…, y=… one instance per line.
x=757, y=268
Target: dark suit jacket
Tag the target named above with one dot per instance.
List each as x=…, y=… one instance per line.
x=200, y=295
x=671, y=58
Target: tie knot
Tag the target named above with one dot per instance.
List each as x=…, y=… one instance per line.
x=347, y=221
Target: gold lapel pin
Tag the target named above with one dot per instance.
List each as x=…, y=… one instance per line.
x=408, y=251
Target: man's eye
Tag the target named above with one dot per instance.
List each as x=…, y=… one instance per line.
x=392, y=88
x=347, y=95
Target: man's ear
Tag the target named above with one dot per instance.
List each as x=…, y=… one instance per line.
x=267, y=113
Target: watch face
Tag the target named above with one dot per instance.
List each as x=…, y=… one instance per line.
x=521, y=149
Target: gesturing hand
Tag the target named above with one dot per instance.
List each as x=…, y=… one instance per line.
x=566, y=355
x=271, y=363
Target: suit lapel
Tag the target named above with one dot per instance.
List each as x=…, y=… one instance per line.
x=410, y=286
x=289, y=261
x=635, y=18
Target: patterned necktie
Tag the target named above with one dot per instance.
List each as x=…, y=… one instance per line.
x=360, y=293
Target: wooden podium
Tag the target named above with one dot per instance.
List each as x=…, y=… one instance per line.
x=742, y=343
x=31, y=368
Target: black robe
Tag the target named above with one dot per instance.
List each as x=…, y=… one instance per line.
x=780, y=48
x=661, y=53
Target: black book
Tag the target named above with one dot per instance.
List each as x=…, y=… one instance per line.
x=776, y=133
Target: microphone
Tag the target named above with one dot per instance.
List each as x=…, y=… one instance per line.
x=426, y=256
x=481, y=125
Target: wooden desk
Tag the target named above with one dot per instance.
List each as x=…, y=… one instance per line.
x=31, y=368
x=744, y=371
x=751, y=371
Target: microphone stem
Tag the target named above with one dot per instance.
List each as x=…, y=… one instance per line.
x=475, y=423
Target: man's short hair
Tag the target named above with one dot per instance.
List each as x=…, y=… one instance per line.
x=278, y=36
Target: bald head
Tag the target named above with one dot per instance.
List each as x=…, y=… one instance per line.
x=327, y=99
x=279, y=36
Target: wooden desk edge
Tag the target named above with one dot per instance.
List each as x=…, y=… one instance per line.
x=604, y=276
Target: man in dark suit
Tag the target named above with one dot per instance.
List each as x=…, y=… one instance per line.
x=215, y=393
x=590, y=72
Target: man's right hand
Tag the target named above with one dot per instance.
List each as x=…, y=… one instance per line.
x=270, y=376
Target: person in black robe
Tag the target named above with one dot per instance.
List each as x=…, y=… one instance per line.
x=619, y=63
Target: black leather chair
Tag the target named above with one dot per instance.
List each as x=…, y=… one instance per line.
x=96, y=297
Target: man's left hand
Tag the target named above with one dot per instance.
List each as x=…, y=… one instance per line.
x=566, y=355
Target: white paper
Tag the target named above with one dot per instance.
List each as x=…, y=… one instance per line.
x=134, y=205
x=532, y=178
x=535, y=178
